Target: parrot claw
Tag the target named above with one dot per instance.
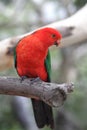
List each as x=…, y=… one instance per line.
x=35, y=80
x=23, y=78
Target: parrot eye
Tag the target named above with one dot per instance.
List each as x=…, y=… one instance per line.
x=53, y=35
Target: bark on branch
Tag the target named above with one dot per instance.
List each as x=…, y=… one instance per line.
x=51, y=93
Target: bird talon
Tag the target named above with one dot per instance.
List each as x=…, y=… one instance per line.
x=34, y=80
x=23, y=78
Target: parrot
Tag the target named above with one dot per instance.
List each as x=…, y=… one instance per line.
x=32, y=60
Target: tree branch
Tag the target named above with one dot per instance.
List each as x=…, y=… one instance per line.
x=50, y=93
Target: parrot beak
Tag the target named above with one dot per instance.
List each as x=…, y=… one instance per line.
x=57, y=42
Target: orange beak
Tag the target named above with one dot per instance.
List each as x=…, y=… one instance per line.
x=57, y=42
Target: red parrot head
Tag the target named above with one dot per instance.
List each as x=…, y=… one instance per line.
x=49, y=36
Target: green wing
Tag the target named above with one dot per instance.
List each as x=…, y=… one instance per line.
x=48, y=66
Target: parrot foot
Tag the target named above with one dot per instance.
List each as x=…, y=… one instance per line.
x=23, y=78
x=35, y=80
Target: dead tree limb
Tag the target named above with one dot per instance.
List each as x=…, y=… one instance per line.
x=52, y=94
